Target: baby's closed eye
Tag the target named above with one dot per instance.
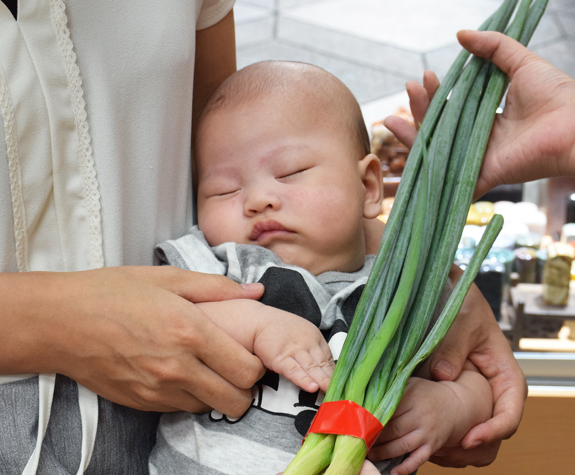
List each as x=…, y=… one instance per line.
x=295, y=174
x=215, y=190
x=226, y=193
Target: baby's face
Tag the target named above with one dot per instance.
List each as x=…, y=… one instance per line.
x=273, y=176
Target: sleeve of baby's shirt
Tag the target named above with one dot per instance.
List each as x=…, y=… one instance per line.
x=212, y=12
x=190, y=252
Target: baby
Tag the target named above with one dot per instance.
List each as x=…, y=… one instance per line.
x=286, y=182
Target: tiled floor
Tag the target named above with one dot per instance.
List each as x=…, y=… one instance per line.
x=375, y=46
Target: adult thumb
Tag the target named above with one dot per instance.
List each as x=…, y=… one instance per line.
x=448, y=360
x=196, y=286
x=211, y=288
x=505, y=52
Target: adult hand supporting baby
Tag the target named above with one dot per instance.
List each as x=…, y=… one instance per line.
x=534, y=137
x=130, y=334
x=475, y=335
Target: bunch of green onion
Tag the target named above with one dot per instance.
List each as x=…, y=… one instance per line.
x=389, y=336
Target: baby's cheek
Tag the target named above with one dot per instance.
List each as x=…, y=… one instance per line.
x=216, y=224
x=323, y=204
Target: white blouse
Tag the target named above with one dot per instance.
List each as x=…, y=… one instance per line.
x=95, y=138
x=95, y=101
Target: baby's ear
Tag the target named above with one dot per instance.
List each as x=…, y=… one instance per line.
x=370, y=170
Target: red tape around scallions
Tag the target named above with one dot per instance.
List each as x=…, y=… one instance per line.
x=346, y=418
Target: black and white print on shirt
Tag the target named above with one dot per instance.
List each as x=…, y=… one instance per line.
x=287, y=290
x=12, y=6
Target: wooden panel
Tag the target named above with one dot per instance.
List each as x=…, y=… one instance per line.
x=544, y=443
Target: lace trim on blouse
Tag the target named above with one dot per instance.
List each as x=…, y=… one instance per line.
x=90, y=187
x=18, y=210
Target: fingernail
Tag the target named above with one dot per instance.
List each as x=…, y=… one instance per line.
x=473, y=445
x=252, y=287
x=445, y=368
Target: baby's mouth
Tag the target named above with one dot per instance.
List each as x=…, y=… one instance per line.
x=265, y=229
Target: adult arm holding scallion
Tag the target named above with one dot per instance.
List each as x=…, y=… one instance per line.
x=476, y=332
x=533, y=138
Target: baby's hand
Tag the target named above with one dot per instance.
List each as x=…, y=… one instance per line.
x=423, y=422
x=284, y=342
x=368, y=469
x=292, y=346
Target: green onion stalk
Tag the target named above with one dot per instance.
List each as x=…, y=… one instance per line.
x=392, y=329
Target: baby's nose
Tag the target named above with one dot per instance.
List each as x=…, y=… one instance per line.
x=261, y=200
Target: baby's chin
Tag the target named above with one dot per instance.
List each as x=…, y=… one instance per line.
x=317, y=263
x=295, y=256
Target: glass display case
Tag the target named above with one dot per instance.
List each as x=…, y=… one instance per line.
x=543, y=332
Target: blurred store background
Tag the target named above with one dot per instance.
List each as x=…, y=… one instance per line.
x=374, y=47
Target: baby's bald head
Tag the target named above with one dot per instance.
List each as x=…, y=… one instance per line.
x=284, y=145
x=310, y=89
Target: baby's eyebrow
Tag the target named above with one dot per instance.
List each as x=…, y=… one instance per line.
x=231, y=171
x=273, y=152
x=224, y=171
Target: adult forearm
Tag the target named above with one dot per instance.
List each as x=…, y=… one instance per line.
x=215, y=61
x=130, y=334
x=29, y=336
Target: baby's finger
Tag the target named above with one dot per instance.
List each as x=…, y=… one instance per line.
x=415, y=460
x=323, y=357
x=293, y=371
x=327, y=351
x=403, y=421
x=395, y=448
x=316, y=370
x=390, y=432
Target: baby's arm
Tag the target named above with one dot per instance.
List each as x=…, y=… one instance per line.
x=286, y=343
x=432, y=415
